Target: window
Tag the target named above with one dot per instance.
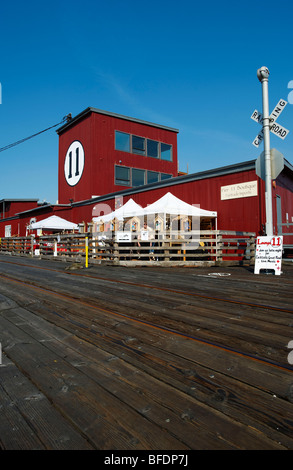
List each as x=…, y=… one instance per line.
x=125, y=176
x=152, y=148
x=138, y=177
x=153, y=176
x=143, y=146
x=122, y=175
x=138, y=145
x=122, y=141
x=166, y=152
x=165, y=176
x=7, y=230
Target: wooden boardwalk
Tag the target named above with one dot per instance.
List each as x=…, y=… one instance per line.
x=114, y=358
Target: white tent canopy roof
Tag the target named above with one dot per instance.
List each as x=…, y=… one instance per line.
x=170, y=204
x=167, y=204
x=54, y=223
x=129, y=209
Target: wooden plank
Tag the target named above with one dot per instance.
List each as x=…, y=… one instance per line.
x=234, y=326
x=152, y=388
x=28, y=419
x=15, y=431
x=205, y=355
x=191, y=409
x=154, y=374
x=97, y=414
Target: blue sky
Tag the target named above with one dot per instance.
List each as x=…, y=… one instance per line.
x=189, y=65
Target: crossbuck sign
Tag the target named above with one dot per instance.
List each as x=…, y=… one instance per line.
x=275, y=128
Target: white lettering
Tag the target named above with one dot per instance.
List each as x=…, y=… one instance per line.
x=165, y=459
x=116, y=460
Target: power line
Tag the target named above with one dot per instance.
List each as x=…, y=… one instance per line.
x=66, y=118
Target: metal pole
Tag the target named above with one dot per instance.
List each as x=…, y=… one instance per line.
x=263, y=76
x=86, y=252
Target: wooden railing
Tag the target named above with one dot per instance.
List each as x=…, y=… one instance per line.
x=204, y=247
x=16, y=245
x=286, y=229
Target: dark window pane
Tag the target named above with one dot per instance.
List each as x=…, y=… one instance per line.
x=153, y=176
x=138, y=177
x=138, y=145
x=122, y=175
x=166, y=152
x=152, y=148
x=165, y=176
x=122, y=141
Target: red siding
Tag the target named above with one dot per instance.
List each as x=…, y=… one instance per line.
x=284, y=190
x=96, y=132
x=241, y=214
x=13, y=207
x=81, y=132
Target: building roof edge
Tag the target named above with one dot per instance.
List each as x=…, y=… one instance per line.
x=90, y=110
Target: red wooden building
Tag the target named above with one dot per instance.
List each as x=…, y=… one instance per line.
x=102, y=152
x=103, y=156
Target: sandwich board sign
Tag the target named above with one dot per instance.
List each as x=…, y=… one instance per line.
x=268, y=254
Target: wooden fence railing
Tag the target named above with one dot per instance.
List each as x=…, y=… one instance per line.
x=286, y=230
x=202, y=247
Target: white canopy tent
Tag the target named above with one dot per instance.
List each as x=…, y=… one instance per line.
x=129, y=209
x=53, y=223
x=170, y=204
x=169, y=209
x=167, y=205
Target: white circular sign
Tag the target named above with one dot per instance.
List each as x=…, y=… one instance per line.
x=74, y=163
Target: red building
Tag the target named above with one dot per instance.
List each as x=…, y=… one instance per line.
x=8, y=210
x=102, y=152
x=103, y=155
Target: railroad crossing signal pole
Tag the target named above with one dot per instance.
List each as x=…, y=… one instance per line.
x=263, y=76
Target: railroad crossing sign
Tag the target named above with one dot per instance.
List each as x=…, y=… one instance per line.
x=275, y=128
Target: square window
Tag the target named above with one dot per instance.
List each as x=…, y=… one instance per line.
x=138, y=177
x=122, y=175
x=122, y=141
x=7, y=231
x=152, y=148
x=165, y=176
x=138, y=145
x=166, y=152
x=153, y=176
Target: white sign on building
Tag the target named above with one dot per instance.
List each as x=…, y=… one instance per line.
x=234, y=191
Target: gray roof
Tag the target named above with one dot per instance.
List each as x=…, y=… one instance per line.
x=18, y=200
x=224, y=170
x=89, y=110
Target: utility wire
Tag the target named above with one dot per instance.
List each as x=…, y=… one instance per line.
x=66, y=118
